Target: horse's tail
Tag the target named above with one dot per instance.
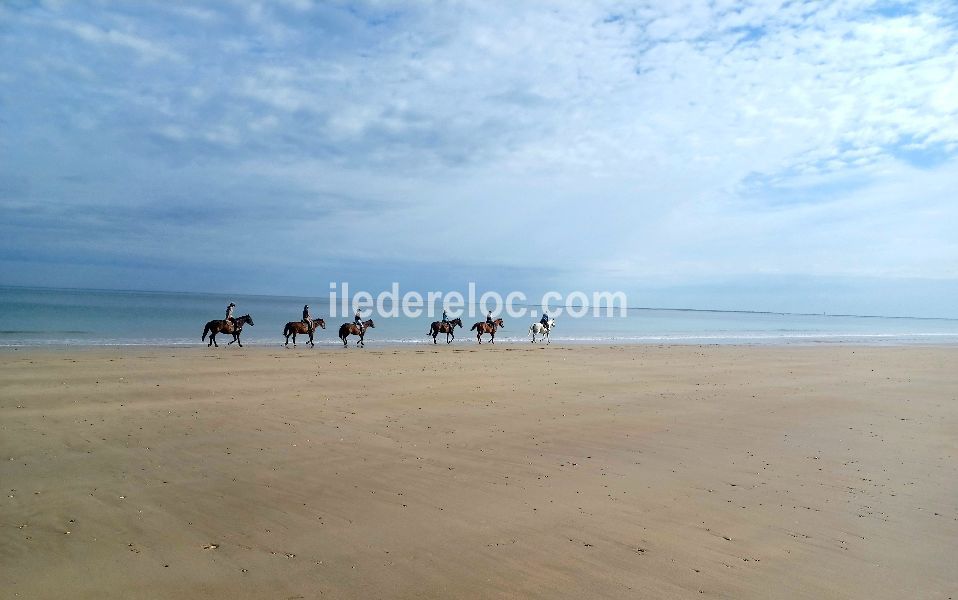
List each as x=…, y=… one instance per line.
x=286, y=329
x=205, y=331
x=474, y=326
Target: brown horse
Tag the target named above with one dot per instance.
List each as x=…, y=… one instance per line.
x=298, y=327
x=234, y=327
x=449, y=328
x=483, y=327
x=349, y=329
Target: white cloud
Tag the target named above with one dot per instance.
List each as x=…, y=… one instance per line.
x=143, y=47
x=654, y=138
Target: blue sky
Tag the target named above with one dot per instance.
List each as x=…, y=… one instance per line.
x=745, y=155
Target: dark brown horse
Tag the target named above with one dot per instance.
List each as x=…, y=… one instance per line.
x=298, y=327
x=234, y=327
x=449, y=328
x=349, y=329
x=484, y=327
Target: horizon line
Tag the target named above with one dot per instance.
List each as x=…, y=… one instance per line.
x=600, y=307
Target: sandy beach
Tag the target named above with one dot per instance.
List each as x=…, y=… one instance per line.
x=480, y=472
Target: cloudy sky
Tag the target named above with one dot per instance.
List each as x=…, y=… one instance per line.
x=754, y=155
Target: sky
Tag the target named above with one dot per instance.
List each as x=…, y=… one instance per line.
x=780, y=155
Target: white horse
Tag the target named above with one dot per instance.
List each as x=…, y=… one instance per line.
x=542, y=331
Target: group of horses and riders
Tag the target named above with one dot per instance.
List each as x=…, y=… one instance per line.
x=307, y=326
x=232, y=325
x=490, y=326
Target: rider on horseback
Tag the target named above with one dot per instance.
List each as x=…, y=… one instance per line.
x=307, y=319
x=358, y=320
x=489, y=318
x=445, y=316
x=229, y=313
x=545, y=321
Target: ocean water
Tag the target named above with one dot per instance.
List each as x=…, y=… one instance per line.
x=59, y=317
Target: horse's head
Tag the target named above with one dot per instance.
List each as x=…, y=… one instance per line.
x=369, y=324
x=456, y=321
x=320, y=322
x=552, y=323
x=245, y=319
x=499, y=323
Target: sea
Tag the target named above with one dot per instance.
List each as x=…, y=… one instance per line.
x=46, y=317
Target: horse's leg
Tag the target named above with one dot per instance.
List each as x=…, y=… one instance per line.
x=238, y=341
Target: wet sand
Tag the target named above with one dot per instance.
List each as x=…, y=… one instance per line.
x=480, y=472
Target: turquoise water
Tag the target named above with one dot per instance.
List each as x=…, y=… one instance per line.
x=52, y=317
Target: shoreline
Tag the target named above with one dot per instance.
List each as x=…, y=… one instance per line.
x=799, y=341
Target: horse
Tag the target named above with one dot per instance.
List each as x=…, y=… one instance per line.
x=543, y=331
x=449, y=328
x=234, y=327
x=349, y=329
x=483, y=327
x=298, y=327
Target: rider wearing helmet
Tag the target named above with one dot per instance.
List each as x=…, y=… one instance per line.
x=489, y=318
x=545, y=321
x=358, y=320
x=229, y=313
x=308, y=319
